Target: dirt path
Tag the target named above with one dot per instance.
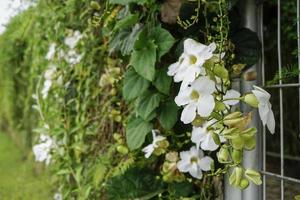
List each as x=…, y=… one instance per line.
x=18, y=177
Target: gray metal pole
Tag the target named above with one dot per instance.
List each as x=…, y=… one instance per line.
x=252, y=159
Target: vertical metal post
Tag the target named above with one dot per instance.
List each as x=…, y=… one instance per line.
x=252, y=159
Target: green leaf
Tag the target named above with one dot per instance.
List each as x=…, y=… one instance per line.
x=127, y=22
x=247, y=47
x=124, y=40
x=168, y=115
x=297, y=197
x=135, y=183
x=163, y=39
x=134, y=85
x=136, y=132
x=183, y=189
x=162, y=81
x=143, y=60
x=124, y=2
x=147, y=103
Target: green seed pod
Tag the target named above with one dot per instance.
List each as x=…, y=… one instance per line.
x=238, y=143
x=250, y=143
x=216, y=138
x=220, y=71
x=223, y=155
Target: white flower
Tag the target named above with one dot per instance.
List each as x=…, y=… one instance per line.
x=203, y=138
x=51, y=51
x=73, y=57
x=194, y=162
x=57, y=196
x=198, y=98
x=42, y=150
x=265, y=108
x=232, y=95
x=49, y=73
x=148, y=150
x=46, y=88
x=191, y=61
x=72, y=40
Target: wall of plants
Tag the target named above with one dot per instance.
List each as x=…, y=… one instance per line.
x=133, y=99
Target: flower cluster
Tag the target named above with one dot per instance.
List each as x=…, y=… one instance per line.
x=42, y=151
x=210, y=106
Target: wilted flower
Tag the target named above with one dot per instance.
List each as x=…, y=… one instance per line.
x=198, y=98
x=42, y=150
x=194, y=162
x=265, y=108
x=190, y=63
x=148, y=150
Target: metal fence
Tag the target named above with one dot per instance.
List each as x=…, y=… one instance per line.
x=253, y=18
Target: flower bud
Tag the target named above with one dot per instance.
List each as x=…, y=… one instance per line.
x=233, y=115
x=244, y=183
x=220, y=71
x=220, y=106
x=216, y=138
x=251, y=100
x=238, y=143
x=198, y=121
x=95, y=5
x=237, y=156
x=236, y=176
x=223, y=155
x=122, y=149
x=250, y=143
x=237, y=68
x=249, y=133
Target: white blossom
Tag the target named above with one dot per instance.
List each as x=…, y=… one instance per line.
x=42, y=150
x=57, y=196
x=73, y=40
x=190, y=63
x=197, y=98
x=73, y=57
x=265, y=108
x=194, y=162
x=148, y=150
x=51, y=52
x=48, y=75
x=232, y=96
x=203, y=136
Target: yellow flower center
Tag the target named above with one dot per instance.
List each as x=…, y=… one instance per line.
x=193, y=59
x=195, y=95
x=194, y=159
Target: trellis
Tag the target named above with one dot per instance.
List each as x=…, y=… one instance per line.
x=253, y=18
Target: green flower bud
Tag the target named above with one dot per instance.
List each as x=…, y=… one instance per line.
x=117, y=136
x=244, y=183
x=122, y=149
x=172, y=156
x=236, y=176
x=223, y=155
x=249, y=133
x=253, y=176
x=220, y=71
x=250, y=143
x=95, y=5
x=237, y=156
x=251, y=100
x=220, y=106
x=238, y=143
x=233, y=115
x=237, y=68
x=216, y=138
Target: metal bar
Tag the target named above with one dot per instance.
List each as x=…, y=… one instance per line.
x=262, y=65
x=286, y=157
x=280, y=98
x=294, y=180
x=252, y=159
x=298, y=39
x=289, y=85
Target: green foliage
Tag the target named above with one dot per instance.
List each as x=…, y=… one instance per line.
x=147, y=103
x=134, y=85
x=168, y=114
x=162, y=81
x=136, y=183
x=136, y=132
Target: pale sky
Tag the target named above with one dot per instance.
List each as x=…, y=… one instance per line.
x=9, y=8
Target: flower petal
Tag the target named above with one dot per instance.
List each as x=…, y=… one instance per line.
x=183, y=97
x=231, y=94
x=208, y=144
x=195, y=171
x=204, y=85
x=205, y=105
x=148, y=150
x=198, y=135
x=271, y=122
x=173, y=68
x=183, y=166
x=205, y=163
x=189, y=113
